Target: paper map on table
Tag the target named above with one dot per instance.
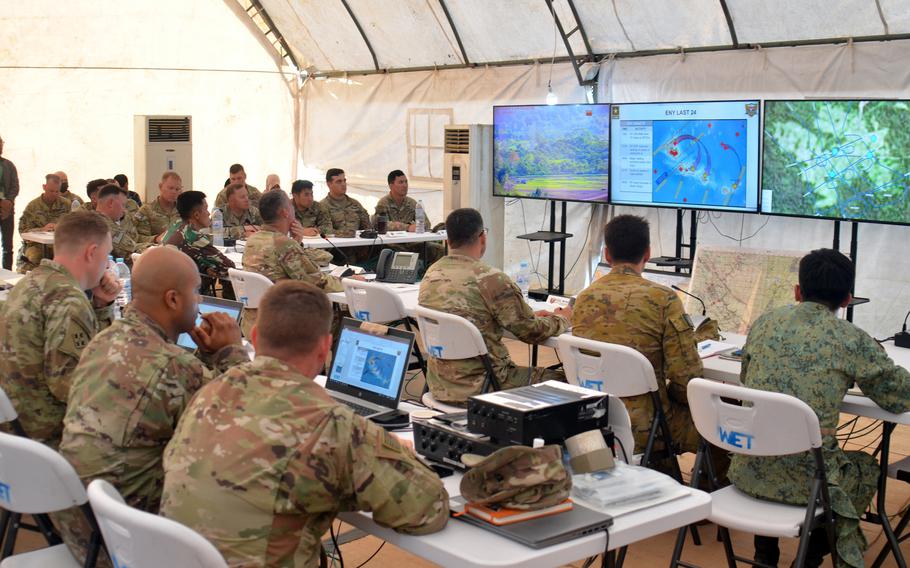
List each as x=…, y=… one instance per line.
x=739, y=285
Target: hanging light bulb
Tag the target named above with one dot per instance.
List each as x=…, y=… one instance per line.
x=552, y=99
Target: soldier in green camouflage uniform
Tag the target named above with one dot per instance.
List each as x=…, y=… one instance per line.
x=288, y=458
x=41, y=214
x=276, y=256
x=238, y=175
x=807, y=352
x=461, y=284
x=347, y=213
x=401, y=212
x=188, y=236
x=125, y=238
x=155, y=217
x=47, y=321
x=311, y=215
x=65, y=192
x=240, y=218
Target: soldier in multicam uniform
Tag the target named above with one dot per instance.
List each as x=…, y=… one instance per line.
x=276, y=256
x=401, y=212
x=65, y=192
x=624, y=308
x=311, y=215
x=133, y=382
x=112, y=204
x=288, y=457
x=238, y=175
x=41, y=214
x=155, y=217
x=188, y=236
x=47, y=321
x=807, y=352
x=240, y=218
x=463, y=285
x=91, y=190
x=347, y=214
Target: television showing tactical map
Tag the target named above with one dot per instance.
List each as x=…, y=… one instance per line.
x=698, y=155
x=837, y=159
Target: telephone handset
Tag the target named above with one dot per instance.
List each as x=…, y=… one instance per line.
x=398, y=267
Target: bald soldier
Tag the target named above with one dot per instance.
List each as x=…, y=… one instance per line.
x=288, y=458
x=275, y=255
x=41, y=214
x=154, y=218
x=624, y=308
x=462, y=284
x=48, y=319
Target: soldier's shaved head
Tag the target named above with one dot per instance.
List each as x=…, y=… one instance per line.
x=165, y=285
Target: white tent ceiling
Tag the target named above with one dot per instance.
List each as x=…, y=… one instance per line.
x=323, y=35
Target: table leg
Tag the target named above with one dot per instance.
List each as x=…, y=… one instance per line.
x=892, y=541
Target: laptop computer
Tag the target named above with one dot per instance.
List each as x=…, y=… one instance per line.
x=207, y=306
x=367, y=372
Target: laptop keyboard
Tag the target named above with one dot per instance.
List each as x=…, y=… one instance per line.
x=361, y=410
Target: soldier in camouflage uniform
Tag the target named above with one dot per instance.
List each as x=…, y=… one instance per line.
x=155, y=217
x=401, y=212
x=288, y=457
x=624, y=308
x=311, y=215
x=238, y=175
x=461, y=284
x=807, y=352
x=65, y=192
x=188, y=236
x=41, y=214
x=276, y=256
x=240, y=218
x=91, y=190
x=133, y=382
x=347, y=214
x=125, y=239
x=47, y=321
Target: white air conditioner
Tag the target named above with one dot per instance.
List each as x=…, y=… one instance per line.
x=161, y=143
x=468, y=181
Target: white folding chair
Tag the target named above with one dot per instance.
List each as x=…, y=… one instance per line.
x=36, y=480
x=138, y=539
x=622, y=372
x=376, y=302
x=448, y=336
x=759, y=424
x=249, y=285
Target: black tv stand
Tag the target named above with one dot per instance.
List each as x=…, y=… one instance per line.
x=552, y=237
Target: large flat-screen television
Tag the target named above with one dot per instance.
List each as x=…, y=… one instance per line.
x=552, y=152
x=700, y=155
x=837, y=159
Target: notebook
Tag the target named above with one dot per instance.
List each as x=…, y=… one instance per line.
x=367, y=372
x=207, y=306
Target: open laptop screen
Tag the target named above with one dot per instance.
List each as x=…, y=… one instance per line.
x=207, y=306
x=370, y=366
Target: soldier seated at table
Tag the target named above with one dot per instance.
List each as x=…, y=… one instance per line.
x=112, y=204
x=348, y=216
x=41, y=214
x=808, y=352
x=263, y=459
x=461, y=284
x=240, y=218
x=312, y=215
x=401, y=213
x=155, y=217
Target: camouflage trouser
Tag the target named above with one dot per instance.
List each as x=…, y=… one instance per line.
x=76, y=532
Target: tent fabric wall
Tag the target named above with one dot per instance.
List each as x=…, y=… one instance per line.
x=868, y=70
x=73, y=75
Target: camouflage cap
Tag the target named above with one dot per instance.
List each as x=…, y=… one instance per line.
x=518, y=477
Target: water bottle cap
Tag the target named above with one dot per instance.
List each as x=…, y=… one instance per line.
x=119, y=260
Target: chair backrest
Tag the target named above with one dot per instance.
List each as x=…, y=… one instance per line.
x=7, y=410
x=36, y=479
x=447, y=336
x=621, y=425
x=766, y=423
x=138, y=539
x=249, y=285
x=373, y=301
x=615, y=369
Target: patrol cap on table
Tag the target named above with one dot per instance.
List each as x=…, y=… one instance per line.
x=517, y=477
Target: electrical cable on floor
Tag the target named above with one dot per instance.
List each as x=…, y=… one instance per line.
x=371, y=556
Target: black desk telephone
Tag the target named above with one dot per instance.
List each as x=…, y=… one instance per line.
x=398, y=267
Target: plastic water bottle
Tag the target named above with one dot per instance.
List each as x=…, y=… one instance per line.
x=112, y=269
x=523, y=277
x=420, y=218
x=75, y=206
x=126, y=287
x=218, y=228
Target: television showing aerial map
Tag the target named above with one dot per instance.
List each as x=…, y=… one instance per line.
x=839, y=159
x=701, y=155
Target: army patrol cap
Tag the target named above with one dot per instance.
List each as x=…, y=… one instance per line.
x=517, y=477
